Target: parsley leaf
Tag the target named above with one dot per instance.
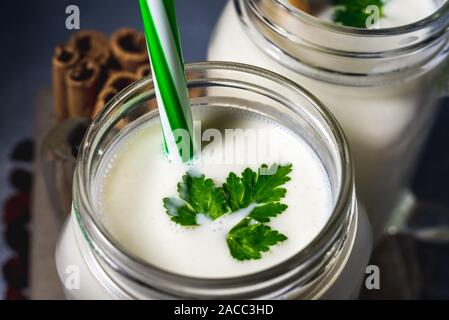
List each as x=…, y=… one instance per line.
x=181, y=214
x=203, y=196
x=352, y=13
x=256, y=187
x=265, y=212
x=247, y=241
x=268, y=188
x=235, y=191
x=200, y=195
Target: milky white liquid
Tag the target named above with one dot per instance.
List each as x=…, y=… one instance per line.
x=385, y=125
x=138, y=177
x=401, y=12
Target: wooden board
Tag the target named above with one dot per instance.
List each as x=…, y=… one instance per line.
x=44, y=227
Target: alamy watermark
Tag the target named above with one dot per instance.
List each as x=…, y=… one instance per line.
x=214, y=146
x=373, y=20
x=72, y=277
x=372, y=280
x=72, y=21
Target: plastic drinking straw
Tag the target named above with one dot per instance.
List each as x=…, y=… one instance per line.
x=167, y=65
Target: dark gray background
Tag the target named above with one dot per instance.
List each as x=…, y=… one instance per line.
x=29, y=31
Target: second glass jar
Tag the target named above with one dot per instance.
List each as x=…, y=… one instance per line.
x=381, y=85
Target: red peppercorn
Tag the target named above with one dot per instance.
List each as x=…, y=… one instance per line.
x=15, y=294
x=17, y=208
x=15, y=271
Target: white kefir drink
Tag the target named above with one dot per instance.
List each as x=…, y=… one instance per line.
x=138, y=177
x=268, y=198
x=382, y=89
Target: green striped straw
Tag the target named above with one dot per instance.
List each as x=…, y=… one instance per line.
x=167, y=64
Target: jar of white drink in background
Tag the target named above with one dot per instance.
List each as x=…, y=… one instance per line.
x=381, y=84
x=119, y=243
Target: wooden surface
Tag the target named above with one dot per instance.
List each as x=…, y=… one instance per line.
x=44, y=229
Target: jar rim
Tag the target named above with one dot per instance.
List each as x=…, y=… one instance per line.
x=135, y=268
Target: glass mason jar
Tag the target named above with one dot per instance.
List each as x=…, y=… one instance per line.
x=381, y=84
x=93, y=265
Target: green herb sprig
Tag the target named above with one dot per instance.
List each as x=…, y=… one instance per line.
x=251, y=236
x=247, y=241
x=352, y=13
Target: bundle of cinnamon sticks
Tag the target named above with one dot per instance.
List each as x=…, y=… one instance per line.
x=91, y=68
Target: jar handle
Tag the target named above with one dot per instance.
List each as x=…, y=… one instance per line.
x=423, y=221
x=57, y=157
x=444, y=81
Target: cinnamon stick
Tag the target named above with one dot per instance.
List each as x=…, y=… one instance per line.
x=82, y=87
x=116, y=83
x=120, y=80
x=105, y=95
x=92, y=44
x=143, y=71
x=64, y=59
x=129, y=48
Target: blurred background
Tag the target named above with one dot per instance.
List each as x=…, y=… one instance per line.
x=30, y=31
